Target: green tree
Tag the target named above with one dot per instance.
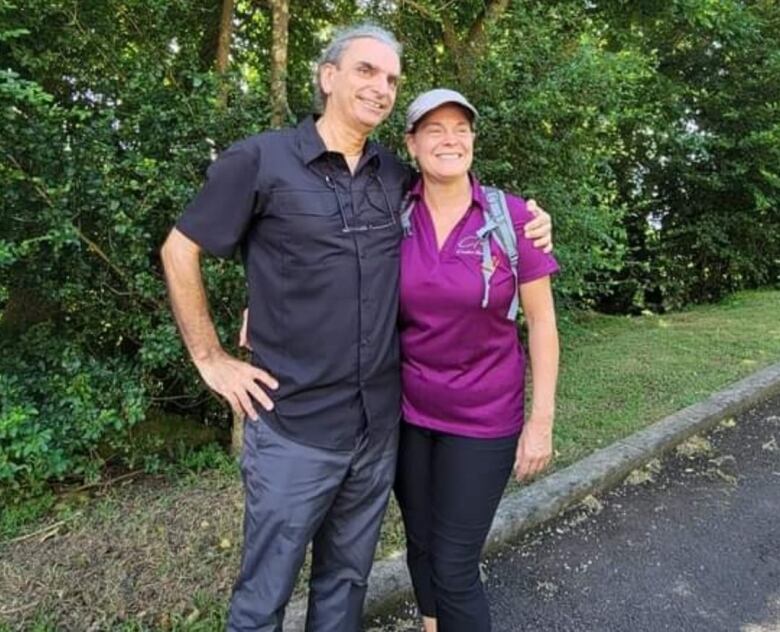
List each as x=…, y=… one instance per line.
x=699, y=173
x=650, y=130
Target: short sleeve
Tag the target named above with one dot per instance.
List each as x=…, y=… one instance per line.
x=221, y=212
x=532, y=262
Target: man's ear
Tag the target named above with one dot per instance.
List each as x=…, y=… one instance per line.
x=326, y=78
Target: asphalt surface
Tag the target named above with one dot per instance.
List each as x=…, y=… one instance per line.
x=688, y=543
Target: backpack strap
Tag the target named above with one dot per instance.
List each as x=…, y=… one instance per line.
x=407, y=206
x=498, y=222
x=487, y=257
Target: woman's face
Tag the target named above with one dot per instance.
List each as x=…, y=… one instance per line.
x=442, y=143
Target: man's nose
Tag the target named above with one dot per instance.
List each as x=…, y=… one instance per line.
x=382, y=84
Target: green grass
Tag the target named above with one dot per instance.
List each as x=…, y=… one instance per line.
x=181, y=467
x=619, y=374
x=15, y=516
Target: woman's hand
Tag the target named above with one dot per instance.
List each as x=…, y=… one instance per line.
x=534, y=448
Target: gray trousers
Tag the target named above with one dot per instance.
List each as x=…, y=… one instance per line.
x=296, y=494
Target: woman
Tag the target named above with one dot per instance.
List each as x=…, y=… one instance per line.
x=463, y=367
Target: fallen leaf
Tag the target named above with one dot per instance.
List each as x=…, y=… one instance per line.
x=694, y=446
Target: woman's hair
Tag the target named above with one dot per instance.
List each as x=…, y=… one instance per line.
x=334, y=51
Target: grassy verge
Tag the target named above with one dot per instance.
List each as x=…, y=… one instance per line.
x=620, y=374
x=161, y=553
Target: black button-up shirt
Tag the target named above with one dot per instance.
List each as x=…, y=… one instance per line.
x=320, y=248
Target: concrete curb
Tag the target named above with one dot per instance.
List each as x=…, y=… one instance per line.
x=523, y=510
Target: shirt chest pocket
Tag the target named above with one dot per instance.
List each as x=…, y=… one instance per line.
x=306, y=226
x=294, y=203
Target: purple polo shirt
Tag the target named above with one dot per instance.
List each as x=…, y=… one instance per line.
x=462, y=365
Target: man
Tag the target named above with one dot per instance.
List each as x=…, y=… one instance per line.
x=315, y=212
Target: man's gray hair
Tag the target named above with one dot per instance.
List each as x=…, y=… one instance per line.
x=335, y=51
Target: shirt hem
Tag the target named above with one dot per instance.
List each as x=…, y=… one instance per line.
x=448, y=429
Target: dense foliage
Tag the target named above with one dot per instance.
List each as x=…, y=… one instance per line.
x=650, y=131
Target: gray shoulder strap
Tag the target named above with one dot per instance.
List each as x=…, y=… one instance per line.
x=407, y=205
x=499, y=213
x=505, y=236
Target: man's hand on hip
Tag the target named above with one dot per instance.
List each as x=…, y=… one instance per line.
x=539, y=229
x=238, y=382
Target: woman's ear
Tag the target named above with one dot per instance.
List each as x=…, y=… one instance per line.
x=410, y=145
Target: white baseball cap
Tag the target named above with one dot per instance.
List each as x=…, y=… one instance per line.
x=429, y=101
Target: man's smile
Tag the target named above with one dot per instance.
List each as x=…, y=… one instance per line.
x=373, y=104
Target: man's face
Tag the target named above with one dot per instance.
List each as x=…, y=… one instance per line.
x=361, y=89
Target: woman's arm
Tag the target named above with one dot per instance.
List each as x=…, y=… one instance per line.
x=534, y=448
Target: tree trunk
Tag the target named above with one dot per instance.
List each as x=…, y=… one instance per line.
x=464, y=46
x=210, y=43
x=223, y=48
x=280, y=20
x=237, y=435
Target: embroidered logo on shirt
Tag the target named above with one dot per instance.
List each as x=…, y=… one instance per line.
x=472, y=245
x=469, y=245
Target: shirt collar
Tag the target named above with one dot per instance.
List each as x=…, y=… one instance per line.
x=370, y=153
x=309, y=140
x=312, y=146
x=477, y=194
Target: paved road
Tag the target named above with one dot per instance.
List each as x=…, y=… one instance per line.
x=691, y=543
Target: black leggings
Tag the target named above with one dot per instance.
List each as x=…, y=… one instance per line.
x=448, y=488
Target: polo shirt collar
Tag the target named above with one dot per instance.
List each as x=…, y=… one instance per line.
x=416, y=191
x=312, y=146
x=477, y=194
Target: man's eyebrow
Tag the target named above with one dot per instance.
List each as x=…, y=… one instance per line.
x=373, y=68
